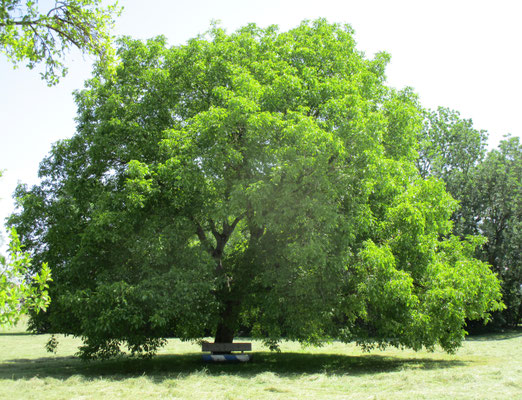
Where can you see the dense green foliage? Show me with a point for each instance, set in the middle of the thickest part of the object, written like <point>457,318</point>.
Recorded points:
<point>31,33</point>
<point>489,190</point>
<point>257,180</point>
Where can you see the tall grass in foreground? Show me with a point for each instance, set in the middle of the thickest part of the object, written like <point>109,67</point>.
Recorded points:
<point>487,367</point>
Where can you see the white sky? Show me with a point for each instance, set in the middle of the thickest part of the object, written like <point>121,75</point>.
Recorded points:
<point>462,54</point>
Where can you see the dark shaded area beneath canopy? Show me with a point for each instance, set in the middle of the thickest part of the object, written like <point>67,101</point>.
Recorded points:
<point>166,366</point>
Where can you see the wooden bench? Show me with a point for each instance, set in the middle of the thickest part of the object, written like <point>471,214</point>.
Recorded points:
<point>222,351</point>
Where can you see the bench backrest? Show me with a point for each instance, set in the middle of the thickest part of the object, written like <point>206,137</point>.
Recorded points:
<point>224,347</point>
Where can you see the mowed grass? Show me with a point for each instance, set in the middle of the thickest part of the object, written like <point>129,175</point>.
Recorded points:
<point>487,367</point>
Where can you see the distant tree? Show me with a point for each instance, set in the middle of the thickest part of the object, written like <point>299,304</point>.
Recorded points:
<point>19,295</point>
<point>488,187</point>
<point>449,147</point>
<point>494,209</point>
<point>258,179</point>
<point>34,35</point>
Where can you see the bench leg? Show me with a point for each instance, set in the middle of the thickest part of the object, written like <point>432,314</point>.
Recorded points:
<point>227,357</point>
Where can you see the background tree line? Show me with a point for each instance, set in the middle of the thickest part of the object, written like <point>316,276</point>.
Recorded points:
<point>488,186</point>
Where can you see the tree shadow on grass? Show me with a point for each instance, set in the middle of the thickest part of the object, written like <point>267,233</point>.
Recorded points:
<point>164,367</point>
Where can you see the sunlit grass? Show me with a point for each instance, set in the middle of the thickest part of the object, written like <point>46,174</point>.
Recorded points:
<point>487,367</point>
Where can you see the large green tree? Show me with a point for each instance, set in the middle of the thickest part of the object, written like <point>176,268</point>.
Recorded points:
<point>257,180</point>
<point>35,33</point>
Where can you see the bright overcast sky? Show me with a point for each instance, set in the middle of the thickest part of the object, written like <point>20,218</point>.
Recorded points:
<point>455,53</point>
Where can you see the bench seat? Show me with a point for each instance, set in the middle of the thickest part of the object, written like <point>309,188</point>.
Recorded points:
<point>225,347</point>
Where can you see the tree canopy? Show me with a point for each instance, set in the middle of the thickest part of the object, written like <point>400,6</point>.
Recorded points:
<point>259,181</point>
<point>35,34</point>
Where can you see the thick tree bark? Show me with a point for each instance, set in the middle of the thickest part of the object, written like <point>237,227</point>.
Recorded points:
<point>228,323</point>
<point>224,332</point>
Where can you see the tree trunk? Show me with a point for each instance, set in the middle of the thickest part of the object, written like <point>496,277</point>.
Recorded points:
<point>224,334</point>
<point>227,325</point>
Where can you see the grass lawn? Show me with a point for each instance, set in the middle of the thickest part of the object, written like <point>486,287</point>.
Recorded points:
<point>486,367</point>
